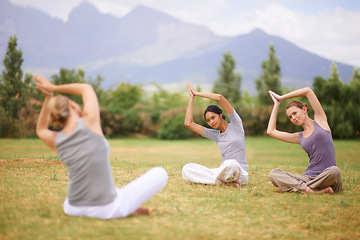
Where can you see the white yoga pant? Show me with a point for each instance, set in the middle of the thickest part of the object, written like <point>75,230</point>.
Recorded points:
<point>128,199</point>
<point>229,171</point>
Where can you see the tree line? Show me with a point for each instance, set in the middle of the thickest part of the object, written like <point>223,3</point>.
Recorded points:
<point>128,110</point>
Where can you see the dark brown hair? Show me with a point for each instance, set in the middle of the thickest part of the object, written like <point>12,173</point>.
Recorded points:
<point>214,109</point>
<point>297,104</point>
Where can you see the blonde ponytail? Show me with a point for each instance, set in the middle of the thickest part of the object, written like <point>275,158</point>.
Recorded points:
<point>59,111</point>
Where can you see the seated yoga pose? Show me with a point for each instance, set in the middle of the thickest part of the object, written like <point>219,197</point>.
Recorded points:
<point>322,175</point>
<point>230,138</point>
<point>82,147</point>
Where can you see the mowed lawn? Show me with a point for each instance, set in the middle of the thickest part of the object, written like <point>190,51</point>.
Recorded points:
<point>33,185</point>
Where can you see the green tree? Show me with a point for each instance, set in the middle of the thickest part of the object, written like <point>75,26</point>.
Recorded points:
<point>12,88</point>
<point>163,100</point>
<point>339,102</point>
<point>354,97</point>
<point>228,83</point>
<point>67,76</point>
<point>100,92</point>
<point>125,96</point>
<point>270,79</point>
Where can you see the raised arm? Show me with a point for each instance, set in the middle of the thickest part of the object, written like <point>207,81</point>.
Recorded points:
<point>319,114</point>
<point>91,109</point>
<point>189,122</point>
<point>214,96</point>
<point>271,129</point>
<point>42,126</point>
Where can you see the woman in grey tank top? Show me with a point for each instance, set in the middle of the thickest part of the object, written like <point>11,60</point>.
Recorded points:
<point>322,174</point>
<point>82,147</point>
<point>230,137</point>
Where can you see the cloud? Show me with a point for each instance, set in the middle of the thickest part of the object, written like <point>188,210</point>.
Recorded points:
<point>334,34</point>
<point>331,34</point>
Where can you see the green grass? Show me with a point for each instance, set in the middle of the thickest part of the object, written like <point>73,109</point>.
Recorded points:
<point>33,185</point>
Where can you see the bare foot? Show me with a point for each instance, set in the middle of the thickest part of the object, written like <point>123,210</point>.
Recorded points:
<point>237,185</point>
<point>234,184</point>
<point>141,211</point>
<point>327,190</point>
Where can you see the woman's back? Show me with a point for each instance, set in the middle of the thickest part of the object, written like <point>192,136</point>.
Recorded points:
<point>86,154</point>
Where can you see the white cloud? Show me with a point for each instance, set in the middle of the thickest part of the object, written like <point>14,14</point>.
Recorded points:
<point>331,34</point>
<point>334,34</point>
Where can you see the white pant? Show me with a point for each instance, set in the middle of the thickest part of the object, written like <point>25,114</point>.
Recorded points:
<point>128,199</point>
<point>229,171</point>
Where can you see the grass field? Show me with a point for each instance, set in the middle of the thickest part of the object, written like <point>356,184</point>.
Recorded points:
<point>33,185</point>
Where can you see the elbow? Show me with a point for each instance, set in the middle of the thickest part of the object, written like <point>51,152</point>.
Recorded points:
<point>219,97</point>
<point>269,132</point>
<point>187,123</point>
<point>88,87</point>
<point>37,132</point>
<point>308,90</point>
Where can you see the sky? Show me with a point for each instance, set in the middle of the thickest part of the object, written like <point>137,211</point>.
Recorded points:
<point>329,28</point>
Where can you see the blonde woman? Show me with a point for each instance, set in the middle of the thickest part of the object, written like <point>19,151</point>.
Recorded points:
<point>83,148</point>
<point>230,138</point>
<point>322,175</point>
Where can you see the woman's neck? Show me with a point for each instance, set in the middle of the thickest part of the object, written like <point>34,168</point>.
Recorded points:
<point>308,124</point>
<point>223,126</point>
<point>70,124</point>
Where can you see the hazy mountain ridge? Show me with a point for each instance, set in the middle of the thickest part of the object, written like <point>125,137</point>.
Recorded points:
<point>147,45</point>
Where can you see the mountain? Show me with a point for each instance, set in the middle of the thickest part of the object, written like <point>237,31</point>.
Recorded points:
<point>147,45</point>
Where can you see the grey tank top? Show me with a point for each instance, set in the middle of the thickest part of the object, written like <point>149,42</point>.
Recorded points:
<point>320,148</point>
<point>86,155</point>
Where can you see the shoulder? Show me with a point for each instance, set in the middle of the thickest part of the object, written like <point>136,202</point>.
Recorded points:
<point>322,124</point>
<point>234,116</point>
<point>212,134</point>
<point>235,120</point>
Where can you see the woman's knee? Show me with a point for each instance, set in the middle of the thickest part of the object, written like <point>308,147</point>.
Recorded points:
<point>335,172</point>
<point>274,173</point>
<point>232,164</point>
<point>161,173</point>
<point>186,168</point>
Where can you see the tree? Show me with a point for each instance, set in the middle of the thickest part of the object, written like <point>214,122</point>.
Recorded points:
<point>125,96</point>
<point>70,76</point>
<point>100,93</point>
<point>269,79</point>
<point>12,88</point>
<point>66,76</point>
<point>228,83</point>
<point>340,103</point>
<point>354,96</point>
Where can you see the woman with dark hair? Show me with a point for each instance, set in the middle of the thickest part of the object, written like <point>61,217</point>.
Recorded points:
<point>83,148</point>
<point>230,138</point>
<point>322,175</point>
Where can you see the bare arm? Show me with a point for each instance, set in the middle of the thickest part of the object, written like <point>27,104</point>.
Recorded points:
<point>319,114</point>
<point>214,96</point>
<point>189,122</point>
<point>42,127</point>
<point>91,108</point>
<point>271,129</point>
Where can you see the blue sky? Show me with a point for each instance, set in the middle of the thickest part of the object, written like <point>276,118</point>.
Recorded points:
<point>329,28</point>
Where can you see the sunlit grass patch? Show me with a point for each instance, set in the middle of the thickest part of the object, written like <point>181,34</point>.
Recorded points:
<point>33,185</point>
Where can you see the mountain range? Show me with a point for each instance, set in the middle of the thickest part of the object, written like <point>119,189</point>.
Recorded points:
<point>149,46</point>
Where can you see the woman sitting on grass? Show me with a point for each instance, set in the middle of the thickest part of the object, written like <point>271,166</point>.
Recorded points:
<point>83,148</point>
<point>322,174</point>
<point>230,138</point>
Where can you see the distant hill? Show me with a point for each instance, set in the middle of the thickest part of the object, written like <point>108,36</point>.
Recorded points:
<point>147,45</point>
